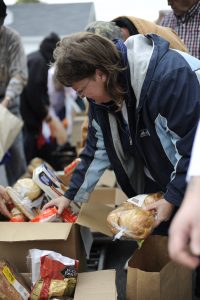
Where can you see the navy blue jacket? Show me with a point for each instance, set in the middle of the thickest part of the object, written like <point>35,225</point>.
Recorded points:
<point>153,134</point>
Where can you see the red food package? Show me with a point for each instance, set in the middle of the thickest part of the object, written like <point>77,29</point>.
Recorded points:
<point>47,215</point>
<point>51,270</point>
<point>69,169</point>
<point>51,215</point>
<point>17,215</point>
<point>68,216</point>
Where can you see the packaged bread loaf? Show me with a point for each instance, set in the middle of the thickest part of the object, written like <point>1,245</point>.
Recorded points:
<point>17,200</point>
<point>12,284</point>
<point>131,220</point>
<point>26,187</point>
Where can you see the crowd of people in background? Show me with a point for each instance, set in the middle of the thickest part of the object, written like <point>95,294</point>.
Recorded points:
<point>124,67</point>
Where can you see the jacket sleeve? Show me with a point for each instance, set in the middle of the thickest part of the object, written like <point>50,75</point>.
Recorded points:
<point>194,168</point>
<point>18,68</point>
<point>179,103</point>
<point>94,161</point>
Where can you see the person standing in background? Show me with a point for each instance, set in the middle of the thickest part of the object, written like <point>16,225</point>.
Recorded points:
<point>62,101</point>
<point>184,19</point>
<point>13,78</point>
<point>35,99</point>
<point>130,25</point>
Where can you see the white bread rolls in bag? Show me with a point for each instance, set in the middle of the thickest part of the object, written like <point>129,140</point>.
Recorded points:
<point>132,221</point>
<point>26,187</point>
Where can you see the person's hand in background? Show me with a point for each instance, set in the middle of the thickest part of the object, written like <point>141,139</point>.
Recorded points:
<point>184,233</point>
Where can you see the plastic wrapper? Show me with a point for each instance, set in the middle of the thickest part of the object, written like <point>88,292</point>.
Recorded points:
<point>26,187</point>
<point>12,285</point>
<point>51,215</point>
<point>48,215</point>
<point>17,216</point>
<point>47,180</point>
<point>56,288</point>
<point>34,262</point>
<point>130,220</point>
<point>69,169</point>
<point>57,275</point>
<point>23,205</point>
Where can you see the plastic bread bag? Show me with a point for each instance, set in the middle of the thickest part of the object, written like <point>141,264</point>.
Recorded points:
<point>12,284</point>
<point>33,261</point>
<point>56,277</point>
<point>26,187</point>
<point>130,220</point>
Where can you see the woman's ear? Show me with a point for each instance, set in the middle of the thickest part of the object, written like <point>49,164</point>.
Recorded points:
<point>100,75</point>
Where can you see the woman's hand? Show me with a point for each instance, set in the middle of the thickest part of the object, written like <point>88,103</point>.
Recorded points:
<point>60,202</point>
<point>4,197</point>
<point>163,210</point>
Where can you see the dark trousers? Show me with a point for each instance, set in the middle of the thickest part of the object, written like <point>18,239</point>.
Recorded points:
<point>30,145</point>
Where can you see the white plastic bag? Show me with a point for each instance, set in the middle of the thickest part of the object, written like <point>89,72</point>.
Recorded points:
<point>10,126</point>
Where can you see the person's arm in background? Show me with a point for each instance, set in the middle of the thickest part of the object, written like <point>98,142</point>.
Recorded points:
<point>184,233</point>
<point>4,197</point>
<point>18,73</point>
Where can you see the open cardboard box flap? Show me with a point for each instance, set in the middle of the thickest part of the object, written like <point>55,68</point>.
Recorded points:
<point>14,232</point>
<point>94,216</point>
<point>106,195</point>
<point>101,202</point>
<point>99,285</point>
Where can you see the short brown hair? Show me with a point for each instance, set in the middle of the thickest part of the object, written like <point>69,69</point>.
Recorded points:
<point>77,57</point>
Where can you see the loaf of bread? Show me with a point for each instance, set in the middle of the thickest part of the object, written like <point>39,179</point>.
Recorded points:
<point>26,187</point>
<point>34,163</point>
<point>12,284</point>
<point>133,221</point>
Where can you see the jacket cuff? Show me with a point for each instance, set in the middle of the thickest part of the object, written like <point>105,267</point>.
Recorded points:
<point>173,198</point>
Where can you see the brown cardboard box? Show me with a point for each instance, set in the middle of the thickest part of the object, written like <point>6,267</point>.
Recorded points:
<point>101,202</point>
<point>17,238</point>
<point>108,196</point>
<point>98,285</point>
<point>152,275</point>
